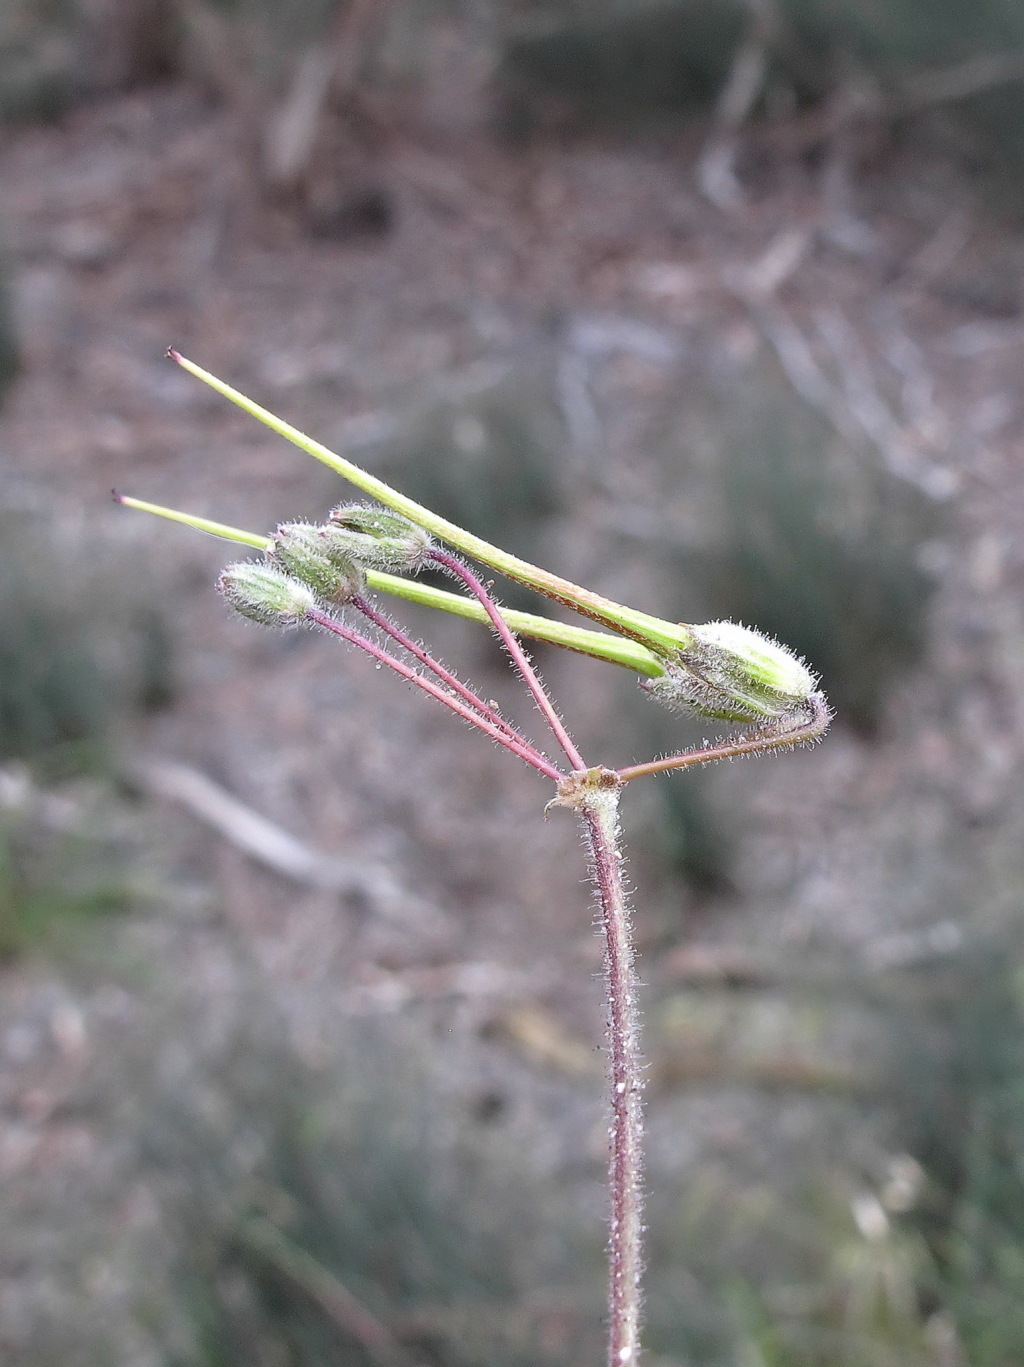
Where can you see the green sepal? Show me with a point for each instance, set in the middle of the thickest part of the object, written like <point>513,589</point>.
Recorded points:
<point>265,594</point>
<point>377,538</point>
<point>307,553</point>
<point>734,673</point>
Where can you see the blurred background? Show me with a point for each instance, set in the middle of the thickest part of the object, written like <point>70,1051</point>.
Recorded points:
<point>714,305</point>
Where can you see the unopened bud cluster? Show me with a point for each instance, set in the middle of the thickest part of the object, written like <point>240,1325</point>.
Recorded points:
<point>315,567</point>
<point>737,674</point>
<point>726,671</point>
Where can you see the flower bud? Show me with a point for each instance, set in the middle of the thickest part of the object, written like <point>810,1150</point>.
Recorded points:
<point>307,553</point>
<point>265,594</point>
<point>735,673</point>
<point>378,538</point>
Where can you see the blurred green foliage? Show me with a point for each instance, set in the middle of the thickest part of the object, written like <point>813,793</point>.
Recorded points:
<point>906,32</point>
<point>54,884</point>
<point>960,1096</point>
<point>691,836</point>
<point>931,1268</point>
<point>78,647</point>
<point>373,1205</point>
<point>802,535</point>
<point>81,654</point>
<point>574,42</point>
<point>297,1209</point>
<point>606,61</point>
<point>622,64</point>
<point>822,550</point>
<point>54,53</point>
<point>618,63</point>
<point>395,1179</point>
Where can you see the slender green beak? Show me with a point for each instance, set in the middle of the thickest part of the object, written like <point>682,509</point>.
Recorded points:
<point>659,636</point>
<point>601,645</point>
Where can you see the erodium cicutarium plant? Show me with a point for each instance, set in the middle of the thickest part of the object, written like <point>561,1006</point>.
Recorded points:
<point>333,576</point>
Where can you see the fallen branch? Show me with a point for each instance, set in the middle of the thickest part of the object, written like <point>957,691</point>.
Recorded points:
<point>716,166</point>
<point>261,1237</point>
<point>274,847</point>
<point>975,76</point>
<point>914,95</point>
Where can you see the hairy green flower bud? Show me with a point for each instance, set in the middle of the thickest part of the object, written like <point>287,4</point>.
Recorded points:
<point>265,594</point>
<point>378,539</point>
<point>308,553</point>
<point>737,674</point>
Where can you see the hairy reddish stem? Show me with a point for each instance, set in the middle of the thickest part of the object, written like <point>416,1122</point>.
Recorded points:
<point>519,656</point>
<point>595,794</point>
<point>785,734</point>
<point>450,680</point>
<point>524,751</point>
<point>599,808</point>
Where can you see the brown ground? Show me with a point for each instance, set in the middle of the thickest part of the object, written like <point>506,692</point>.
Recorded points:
<point>129,231</point>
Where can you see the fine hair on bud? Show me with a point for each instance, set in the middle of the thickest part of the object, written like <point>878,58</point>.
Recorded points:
<point>306,552</point>
<point>378,538</point>
<point>266,594</point>
<point>734,673</point>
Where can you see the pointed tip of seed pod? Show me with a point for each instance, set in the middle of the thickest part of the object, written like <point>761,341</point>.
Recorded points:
<point>117,498</point>
<point>173,354</point>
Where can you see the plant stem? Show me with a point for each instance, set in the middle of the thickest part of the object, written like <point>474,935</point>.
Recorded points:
<point>598,804</point>
<point>804,727</point>
<point>600,645</point>
<point>520,659</point>
<point>450,680</point>
<point>523,750</point>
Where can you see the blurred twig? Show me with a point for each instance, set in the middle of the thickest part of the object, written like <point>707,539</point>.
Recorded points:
<point>716,172</point>
<point>291,128</point>
<point>330,67</point>
<point>274,847</point>
<point>262,1237</point>
<point>854,406</point>
<point>380,992</point>
<point>280,132</point>
<point>959,82</point>
<point>745,967</point>
<point>914,95</point>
